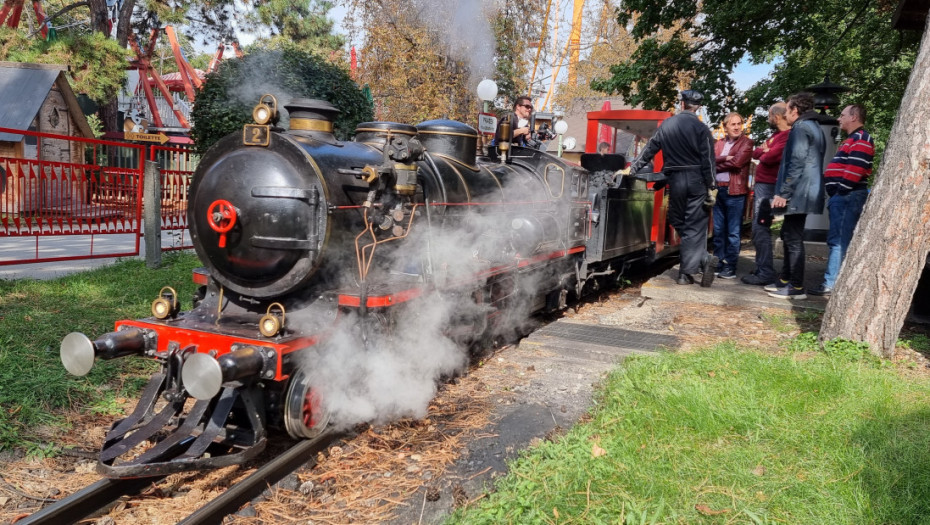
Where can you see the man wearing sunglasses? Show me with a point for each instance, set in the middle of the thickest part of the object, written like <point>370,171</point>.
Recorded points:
<point>519,122</point>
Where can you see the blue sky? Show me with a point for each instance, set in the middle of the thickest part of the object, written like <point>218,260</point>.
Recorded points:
<point>746,74</point>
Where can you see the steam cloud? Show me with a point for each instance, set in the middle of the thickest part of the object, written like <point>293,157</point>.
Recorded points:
<point>464,27</point>
<point>387,378</point>
<point>253,86</point>
<point>394,374</point>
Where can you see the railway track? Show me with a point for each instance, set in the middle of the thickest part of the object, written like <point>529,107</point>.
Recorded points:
<point>242,492</point>
<point>99,495</point>
<point>87,501</point>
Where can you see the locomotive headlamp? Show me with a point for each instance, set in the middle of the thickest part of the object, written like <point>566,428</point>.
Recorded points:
<point>266,111</point>
<point>270,324</point>
<point>203,376</point>
<point>167,304</point>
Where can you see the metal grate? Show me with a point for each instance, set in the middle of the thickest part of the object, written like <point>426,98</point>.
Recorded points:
<point>608,336</point>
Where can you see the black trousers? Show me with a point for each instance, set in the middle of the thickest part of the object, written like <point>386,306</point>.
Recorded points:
<point>687,214</point>
<point>762,235</point>
<point>792,237</point>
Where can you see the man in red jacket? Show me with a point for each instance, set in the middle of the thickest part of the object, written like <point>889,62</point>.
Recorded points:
<point>769,157</point>
<point>733,154</point>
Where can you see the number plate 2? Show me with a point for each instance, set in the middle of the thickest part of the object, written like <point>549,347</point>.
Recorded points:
<point>256,135</point>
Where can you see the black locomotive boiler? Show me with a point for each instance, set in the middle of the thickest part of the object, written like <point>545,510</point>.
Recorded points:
<point>320,253</point>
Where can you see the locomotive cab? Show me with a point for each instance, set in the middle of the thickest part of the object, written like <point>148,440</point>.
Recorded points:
<point>642,225</point>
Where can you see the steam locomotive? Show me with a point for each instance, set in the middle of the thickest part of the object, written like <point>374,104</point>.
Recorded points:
<point>322,256</point>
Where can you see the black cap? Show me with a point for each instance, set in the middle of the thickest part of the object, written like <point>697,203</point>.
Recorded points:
<point>692,97</point>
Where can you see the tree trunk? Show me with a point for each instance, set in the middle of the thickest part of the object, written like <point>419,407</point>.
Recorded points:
<point>109,115</point>
<point>876,284</point>
<point>123,27</point>
<point>109,111</point>
<point>98,16</point>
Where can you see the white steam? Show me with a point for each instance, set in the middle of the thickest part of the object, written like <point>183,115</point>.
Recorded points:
<point>464,27</point>
<point>394,373</point>
<point>252,86</point>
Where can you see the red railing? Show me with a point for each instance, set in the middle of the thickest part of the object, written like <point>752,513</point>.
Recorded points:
<point>176,164</point>
<point>92,188</point>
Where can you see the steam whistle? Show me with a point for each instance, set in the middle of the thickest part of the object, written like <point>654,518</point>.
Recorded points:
<point>506,137</point>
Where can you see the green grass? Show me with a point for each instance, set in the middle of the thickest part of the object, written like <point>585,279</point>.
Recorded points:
<point>915,341</point>
<point>782,322</point>
<point>734,436</point>
<point>36,315</point>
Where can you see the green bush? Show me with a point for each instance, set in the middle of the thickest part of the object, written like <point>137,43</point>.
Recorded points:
<point>225,103</point>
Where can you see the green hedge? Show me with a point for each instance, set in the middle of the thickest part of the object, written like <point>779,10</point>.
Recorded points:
<point>225,103</point>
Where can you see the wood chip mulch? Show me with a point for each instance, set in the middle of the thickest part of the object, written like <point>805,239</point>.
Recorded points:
<point>363,479</point>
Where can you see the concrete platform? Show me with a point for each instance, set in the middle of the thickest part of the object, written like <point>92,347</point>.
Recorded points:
<point>732,292</point>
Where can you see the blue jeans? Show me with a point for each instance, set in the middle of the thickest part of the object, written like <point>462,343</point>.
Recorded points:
<point>728,218</point>
<point>844,214</point>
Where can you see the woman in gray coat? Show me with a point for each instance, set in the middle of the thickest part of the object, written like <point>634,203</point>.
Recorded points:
<point>799,190</point>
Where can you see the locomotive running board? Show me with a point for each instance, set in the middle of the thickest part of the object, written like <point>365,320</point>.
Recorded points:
<point>182,447</point>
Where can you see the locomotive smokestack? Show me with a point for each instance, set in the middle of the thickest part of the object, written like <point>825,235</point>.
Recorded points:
<point>312,117</point>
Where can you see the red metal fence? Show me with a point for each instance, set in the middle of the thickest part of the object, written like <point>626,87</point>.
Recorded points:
<point>176,164</point>
<point>88,202</point>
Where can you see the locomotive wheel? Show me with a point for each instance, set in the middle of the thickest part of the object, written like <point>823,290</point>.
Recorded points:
<point>304,416</point>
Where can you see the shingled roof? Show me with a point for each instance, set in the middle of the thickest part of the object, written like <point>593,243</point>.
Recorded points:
<point>23,89</point>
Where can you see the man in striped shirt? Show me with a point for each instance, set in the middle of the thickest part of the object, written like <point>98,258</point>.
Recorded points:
<point>846,179</point>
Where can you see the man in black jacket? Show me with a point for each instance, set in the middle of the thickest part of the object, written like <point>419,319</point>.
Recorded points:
<point>519,120</point>
<point>688,156</point>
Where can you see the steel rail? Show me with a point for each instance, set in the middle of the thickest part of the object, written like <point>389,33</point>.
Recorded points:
<point>253,485</point>
<point>87,501</point>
